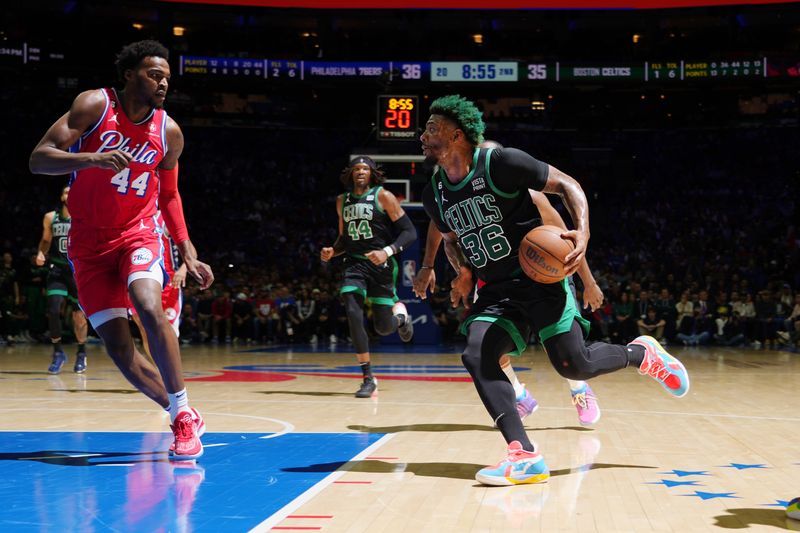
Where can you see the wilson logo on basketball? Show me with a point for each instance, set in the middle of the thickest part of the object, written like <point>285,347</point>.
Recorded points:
<point>537,259</point>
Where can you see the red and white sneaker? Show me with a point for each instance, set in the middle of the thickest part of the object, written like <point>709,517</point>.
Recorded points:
<point>663,367</point>
<point>187,445</point>
<point>199,426</point>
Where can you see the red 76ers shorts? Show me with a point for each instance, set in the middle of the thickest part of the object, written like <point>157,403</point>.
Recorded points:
<point>107,261</point>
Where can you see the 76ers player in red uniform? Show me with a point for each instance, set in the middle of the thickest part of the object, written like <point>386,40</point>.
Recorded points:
<point>123,150</point>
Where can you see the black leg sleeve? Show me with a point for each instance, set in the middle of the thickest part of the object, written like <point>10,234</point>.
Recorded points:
<point>54,315</point>
<point>354,305</point>
<point>572,359</point>
<point>383,319</point>
<point>486,342</point>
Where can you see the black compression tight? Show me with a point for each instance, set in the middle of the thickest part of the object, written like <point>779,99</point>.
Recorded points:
<point>486,342</point>
<point>54,302</point>
<point>572,359</point>
<point>385,322</point>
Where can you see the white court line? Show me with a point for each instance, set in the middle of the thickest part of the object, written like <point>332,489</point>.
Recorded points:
<point>293,505</point>
<point>401,404</point>
<point>287,426</point>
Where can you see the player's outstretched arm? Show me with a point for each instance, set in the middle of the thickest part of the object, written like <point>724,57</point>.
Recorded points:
<point>592,294</point>
<point>169,199</point>
<point>329,252</point>
<point>575,201</point>
<point>425,280</point>
<point>51,156</point>
<point>461,286</point>
<point>47,238</point>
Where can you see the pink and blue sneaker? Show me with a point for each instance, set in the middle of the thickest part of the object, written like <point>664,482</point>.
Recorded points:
<point>662,367</point>
<point>526,404</point>
<point>793,509</point>
<point>585,402</point>
<point>519,467</point>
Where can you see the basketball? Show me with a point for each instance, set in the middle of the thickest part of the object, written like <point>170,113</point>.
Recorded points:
<point>542,252</point>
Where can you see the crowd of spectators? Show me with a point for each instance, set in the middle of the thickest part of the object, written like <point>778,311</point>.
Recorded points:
<point>693,231</point>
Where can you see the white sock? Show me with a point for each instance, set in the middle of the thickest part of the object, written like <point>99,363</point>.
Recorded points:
<point>399,309</point>
<point>178,402</point>
<point>519,389</point>
<point>576,386</point>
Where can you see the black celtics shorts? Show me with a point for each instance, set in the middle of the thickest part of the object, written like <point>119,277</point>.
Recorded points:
<point>374,283</point>
<point>521,306</point>
<point>60,282</point>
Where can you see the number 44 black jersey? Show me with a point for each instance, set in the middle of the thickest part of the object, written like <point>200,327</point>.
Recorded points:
<point>490,210</point>
<point>367,227</point>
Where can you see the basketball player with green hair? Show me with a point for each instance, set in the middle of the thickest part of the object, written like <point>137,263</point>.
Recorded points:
<point>583,397</point>
<point>478,199</point>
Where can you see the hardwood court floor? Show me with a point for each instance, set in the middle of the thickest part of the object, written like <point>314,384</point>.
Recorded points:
<point>289,448</point>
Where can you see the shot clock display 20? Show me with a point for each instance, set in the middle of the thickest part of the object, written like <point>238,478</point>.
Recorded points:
<point>397,117</point>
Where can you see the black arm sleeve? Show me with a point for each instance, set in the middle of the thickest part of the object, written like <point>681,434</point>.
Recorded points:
<point>408,233</point>
<point>513,170</point>
<point>432,209</point>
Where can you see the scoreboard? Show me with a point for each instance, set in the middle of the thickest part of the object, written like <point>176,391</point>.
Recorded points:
<point>398,117</point>
<point>665,71</point>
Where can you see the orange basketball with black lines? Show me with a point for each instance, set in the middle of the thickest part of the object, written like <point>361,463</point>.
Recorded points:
<point>542,252</point>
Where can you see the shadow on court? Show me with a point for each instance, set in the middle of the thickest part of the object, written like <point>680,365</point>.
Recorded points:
<point>85,458</point>
<point>100,391</point>
<point>448,427</point>
<point>746,518</point>
<point>307,393</point>
<point>445,470</point>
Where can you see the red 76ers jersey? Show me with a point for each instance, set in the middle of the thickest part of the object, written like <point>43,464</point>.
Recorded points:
<point>104,198</point>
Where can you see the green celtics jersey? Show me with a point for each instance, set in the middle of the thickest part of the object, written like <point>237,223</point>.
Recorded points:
<point>367,227</point>
<point>490,210</point>
<point>59,228</point>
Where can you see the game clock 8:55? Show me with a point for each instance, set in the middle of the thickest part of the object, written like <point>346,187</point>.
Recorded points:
<point>397,117</point>
<point>474,71</point>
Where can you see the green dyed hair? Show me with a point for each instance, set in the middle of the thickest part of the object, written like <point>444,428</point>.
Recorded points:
<point>464,113</point>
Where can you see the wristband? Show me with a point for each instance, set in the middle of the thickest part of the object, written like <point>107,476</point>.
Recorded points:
<point>389,251</point>
<point>425,266</point>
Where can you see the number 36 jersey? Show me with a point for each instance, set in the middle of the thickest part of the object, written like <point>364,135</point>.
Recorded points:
<point>490,210</point>
<point>366,226</point>
<point>104,198</point>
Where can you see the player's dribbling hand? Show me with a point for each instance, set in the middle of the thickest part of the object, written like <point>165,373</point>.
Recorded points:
<point>592,297</point>
<point>326,254</point>
<point>377,257</point>
<point>200,272</point>
<point>573,259</point>
<point>114,160</point>
<point>460,288</point>
<point>424,281</point>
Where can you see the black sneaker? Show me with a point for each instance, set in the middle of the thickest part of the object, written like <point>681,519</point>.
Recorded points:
<point>368,386</point>
<point>80,363</point>
<point>406,328</point>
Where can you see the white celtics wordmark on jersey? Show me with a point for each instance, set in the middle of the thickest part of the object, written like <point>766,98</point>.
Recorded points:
<point>357,218</point>
<point>479,213</point>
<point>472,213</point>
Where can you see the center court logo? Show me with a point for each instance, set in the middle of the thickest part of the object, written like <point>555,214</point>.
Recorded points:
<point>142,256</point>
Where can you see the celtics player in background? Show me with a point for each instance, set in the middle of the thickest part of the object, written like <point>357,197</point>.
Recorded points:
<point>372,229</point>
<point>479,201</point>
<point>61,285</point>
